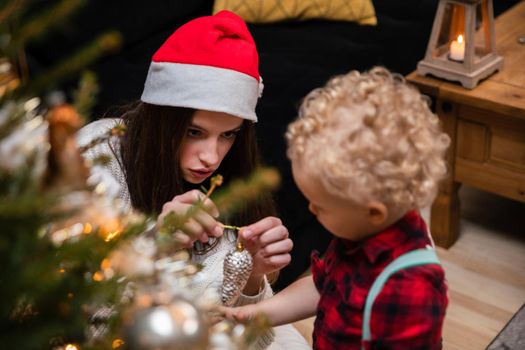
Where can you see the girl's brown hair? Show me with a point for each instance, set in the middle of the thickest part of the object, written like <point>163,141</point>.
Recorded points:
<point>150,154</point>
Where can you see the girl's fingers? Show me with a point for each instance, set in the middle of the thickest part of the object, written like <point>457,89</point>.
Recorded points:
<point>276,234</point>
<point>260,227</point>
<point>277,248</point>
<point>195,230</point>
<point>273,241</point>
<point>208,223</point>
<point>183,239</point>
<point>279,261</point>
<point>195,196</point>
<point>201,222</point>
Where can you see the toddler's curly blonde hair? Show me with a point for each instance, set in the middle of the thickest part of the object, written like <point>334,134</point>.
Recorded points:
<point>370,136</point>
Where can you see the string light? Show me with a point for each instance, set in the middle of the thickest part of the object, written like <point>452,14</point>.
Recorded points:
<point>105,264</point>
<point>117,343</point>
<point>87,228</point>
<point>111,235</point>
<point>98,276</point>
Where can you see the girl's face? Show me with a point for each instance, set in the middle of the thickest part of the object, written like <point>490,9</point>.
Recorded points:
<point>209,137</point>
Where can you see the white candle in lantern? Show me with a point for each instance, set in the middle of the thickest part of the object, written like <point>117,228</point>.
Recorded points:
<point>457,49</point>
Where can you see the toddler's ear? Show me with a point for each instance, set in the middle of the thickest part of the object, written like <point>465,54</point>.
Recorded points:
<point>377,213</point>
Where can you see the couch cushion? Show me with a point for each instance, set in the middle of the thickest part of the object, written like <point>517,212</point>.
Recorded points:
<point>267,11</point>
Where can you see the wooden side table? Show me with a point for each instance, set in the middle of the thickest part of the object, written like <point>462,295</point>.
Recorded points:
<point>487,129</point>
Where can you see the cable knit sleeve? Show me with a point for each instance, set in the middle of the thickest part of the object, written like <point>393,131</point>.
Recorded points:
<point>109,175</point>
<point>265,293</point>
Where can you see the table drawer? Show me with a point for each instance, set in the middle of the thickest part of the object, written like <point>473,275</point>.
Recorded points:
<point>490,152</point>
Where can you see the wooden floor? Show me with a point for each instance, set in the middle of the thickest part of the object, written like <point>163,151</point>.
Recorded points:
<point>485,270</point>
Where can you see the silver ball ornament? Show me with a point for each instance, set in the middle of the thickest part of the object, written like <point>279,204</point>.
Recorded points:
<point>177,326</point>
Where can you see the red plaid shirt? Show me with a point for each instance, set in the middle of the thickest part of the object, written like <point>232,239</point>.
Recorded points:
<point>409,311</point>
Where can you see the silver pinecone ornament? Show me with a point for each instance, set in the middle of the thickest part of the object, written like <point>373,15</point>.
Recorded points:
<point>238,265</point>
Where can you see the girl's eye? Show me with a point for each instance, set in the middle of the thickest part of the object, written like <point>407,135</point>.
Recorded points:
<point>230,134</point>
<point>194,133</point>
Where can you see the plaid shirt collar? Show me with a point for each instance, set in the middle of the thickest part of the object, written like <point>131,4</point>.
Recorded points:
<point>385,241</point>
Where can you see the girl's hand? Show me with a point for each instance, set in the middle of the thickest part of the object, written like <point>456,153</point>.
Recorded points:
<point>267,240</point>
<point>201,225</point>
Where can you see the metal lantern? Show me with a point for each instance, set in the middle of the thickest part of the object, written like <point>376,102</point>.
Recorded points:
<point>462,46</point>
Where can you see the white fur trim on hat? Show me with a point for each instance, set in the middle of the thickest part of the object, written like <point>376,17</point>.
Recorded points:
<point>202,87</point>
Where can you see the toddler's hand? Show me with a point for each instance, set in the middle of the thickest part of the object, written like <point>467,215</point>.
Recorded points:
<point>202,223</point>
<point>242,314</point>
<point>267,240</point>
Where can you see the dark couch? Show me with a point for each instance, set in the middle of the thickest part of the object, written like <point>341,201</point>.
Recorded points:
<point>295,57</point>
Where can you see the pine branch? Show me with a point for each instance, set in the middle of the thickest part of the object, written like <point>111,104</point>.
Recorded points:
<point>10,8</point>
<point>56,282</point>
<point>70,65</point>
<point>15,113</point>
<point>46,19</point>
<point>239,192</point>
<point>85,96</point>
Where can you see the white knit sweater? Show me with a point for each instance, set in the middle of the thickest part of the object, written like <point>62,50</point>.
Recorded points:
<point>112,177</point>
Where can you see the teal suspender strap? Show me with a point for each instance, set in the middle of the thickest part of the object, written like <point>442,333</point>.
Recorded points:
<point>413,258</point>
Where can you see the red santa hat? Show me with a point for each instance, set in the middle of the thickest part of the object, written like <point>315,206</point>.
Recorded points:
<point>209,63</point>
